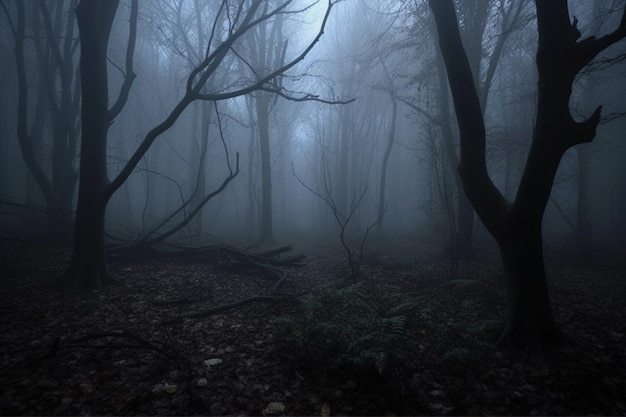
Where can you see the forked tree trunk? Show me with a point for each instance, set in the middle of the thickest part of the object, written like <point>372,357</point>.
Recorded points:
<point>517,227</point>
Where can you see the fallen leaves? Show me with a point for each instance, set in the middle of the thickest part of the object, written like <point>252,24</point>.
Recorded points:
<point>239,365</point>
<point>212,362</point>
<point>165,387</point>
<point>274,408</point>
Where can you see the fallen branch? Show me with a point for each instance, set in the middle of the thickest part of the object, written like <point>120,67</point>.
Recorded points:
<point>167,303</point>
<point>225,307</point>
<point>269,262</point>
<point>140,343</point>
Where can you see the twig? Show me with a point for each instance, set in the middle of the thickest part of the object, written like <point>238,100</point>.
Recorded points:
<point>225,307</point>
<point>142,343</point>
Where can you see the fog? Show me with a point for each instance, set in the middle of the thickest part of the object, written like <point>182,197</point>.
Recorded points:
<point>358,131</point>
<point>312,207</point>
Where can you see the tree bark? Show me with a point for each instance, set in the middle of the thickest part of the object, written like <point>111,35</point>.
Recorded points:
<point>253,204</point>
<point>489,203</point>
<point>345,118</point>
<point>585,225</point>
<point>263,111</point>
<point>517,227</point>
<point>88,268</point>
<point>529,320</point>
<point>95,19</point>
<point>383,173</point>
<point>462,242</point>
<point>57,188</point>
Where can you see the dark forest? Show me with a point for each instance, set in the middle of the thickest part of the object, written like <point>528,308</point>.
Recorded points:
<point>312,207</point>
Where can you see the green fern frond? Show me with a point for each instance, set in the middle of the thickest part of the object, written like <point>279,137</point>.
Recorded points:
<point>344,326</point>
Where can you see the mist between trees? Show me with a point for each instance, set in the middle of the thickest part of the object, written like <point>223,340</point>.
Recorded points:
<point>241,121</point>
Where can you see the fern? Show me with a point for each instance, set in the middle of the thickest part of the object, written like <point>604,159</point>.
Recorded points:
<point>345,327</point>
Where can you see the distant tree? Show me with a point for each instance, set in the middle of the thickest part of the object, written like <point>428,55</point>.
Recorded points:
<point>95,20</point>
<point>181,25</point>
<point>476,14</point>
<point>50,28</point>
<point>382,185</point>
<point>486,26</point>
<point>269,47</point>
<point>517,226</point>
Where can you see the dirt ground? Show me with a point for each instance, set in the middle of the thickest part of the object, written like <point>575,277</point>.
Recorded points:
<point>120,350</point>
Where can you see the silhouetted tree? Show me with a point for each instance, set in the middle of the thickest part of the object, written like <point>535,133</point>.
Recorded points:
<point>50,27</point>
<point>269,47</point>
<point>517,226</point>
<point>95,19</point>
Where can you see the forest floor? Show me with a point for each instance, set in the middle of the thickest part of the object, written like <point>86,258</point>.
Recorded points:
<point>407,339</point>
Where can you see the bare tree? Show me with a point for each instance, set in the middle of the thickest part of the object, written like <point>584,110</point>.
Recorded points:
<point>517,226</point>
<point>51,30</point>
<point>269,47</point>
<point>95,19</point>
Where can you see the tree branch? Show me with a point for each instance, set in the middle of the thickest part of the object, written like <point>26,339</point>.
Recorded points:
<point>129,73</point>
<point>587,49</point>
<point>289,95</point>
<point>487,200</point>
<point>8,16</point>
<point>207,68</point>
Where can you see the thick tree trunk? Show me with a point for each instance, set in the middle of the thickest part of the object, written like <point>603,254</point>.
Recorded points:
<point>465,222</point>
<point>59,217</point>
<point>64,179</point>
<point>585,226</point>
<point>462,242</point>
<point>529,320</point>
<point>517,227</point>
<point>88,268</point>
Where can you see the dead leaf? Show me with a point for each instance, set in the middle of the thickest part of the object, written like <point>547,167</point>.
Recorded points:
<point>274,408</point>
<point>325,411</point>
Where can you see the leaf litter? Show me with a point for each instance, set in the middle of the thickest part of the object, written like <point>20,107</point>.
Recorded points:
<point>237,362</point>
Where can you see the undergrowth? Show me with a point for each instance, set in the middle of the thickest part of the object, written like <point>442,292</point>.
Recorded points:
<point>346,327</point>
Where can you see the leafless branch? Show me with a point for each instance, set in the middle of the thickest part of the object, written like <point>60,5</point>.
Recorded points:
<point>8,16</point>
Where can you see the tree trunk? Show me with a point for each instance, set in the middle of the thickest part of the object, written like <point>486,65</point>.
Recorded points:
<point>201,121</point>
<point>475,17</point>
<point>517,227</point>
<point>462,240</point>
<point>88,268</point>
<point>517,231</point>
<point>262,108</point>
<point>529,320</point>
<point>343,172</point>
<point>465,222</point>
<point>585,226</point>
<point>253,211</point>
<point>383,173</point>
